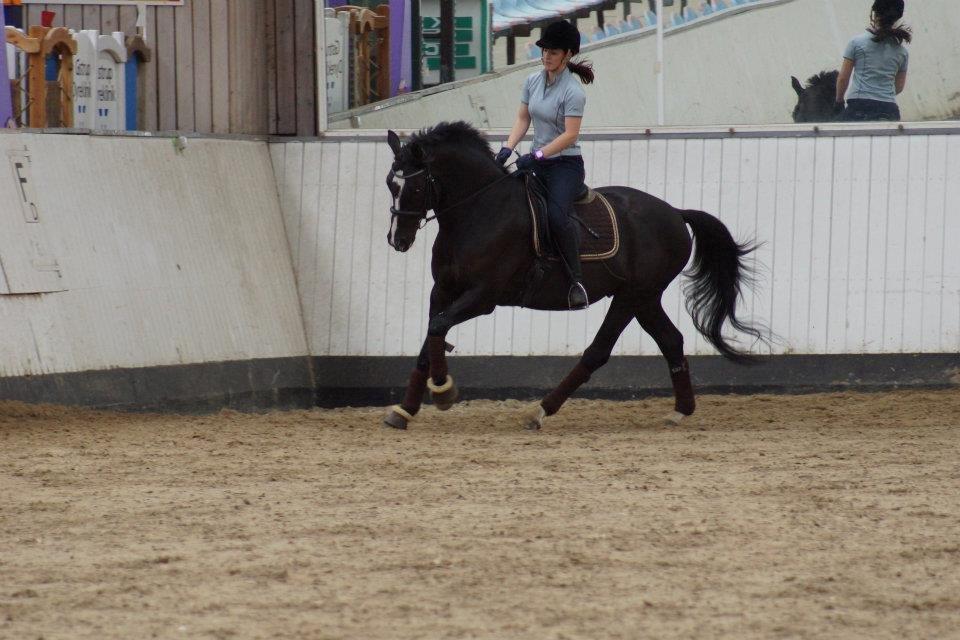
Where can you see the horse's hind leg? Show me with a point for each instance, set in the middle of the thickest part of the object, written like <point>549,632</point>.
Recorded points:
<point>655,322</point>
<point>621,312</point>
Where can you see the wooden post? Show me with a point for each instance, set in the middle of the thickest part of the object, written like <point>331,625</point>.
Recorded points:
<point>59,42</point>
<point>37,82</point>
<point>511,49</point>
<point>446,42</point>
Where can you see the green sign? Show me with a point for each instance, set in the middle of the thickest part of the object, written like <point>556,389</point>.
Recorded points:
<point>471,54</point>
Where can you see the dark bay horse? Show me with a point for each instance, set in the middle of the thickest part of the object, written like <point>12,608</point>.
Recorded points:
<point>483,254</point>
<point>816,102</point>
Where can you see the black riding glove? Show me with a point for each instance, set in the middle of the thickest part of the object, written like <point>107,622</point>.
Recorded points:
<point>527,162</point>
<point>504,154</point>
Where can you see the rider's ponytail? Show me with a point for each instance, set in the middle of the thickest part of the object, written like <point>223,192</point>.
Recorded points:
<point>583,69</point>
<point>883,22</point>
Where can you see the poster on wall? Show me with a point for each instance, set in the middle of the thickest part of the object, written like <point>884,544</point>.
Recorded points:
<point>6,74</point>
<point>110,85</point>
<point>83,79</point>
<point>338,44</point>
<point>471,39</point>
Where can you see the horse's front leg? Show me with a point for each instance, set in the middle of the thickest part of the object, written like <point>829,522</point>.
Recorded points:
<point>401,414</point>
<point>431,368</point>
<point>471,304</point>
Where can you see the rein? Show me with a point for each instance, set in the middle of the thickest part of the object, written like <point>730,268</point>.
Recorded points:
<point>432,186</point>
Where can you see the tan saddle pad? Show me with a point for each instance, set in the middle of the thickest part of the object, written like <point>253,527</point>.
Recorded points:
<point>598,216</point>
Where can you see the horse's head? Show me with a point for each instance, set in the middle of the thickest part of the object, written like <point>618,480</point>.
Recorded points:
<point>815,102</point>
<point>414,190</point>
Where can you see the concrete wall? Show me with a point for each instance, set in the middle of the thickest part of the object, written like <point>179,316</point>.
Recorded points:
<point>733,68</point>
<point>141,255</point>
<point>854,224</point>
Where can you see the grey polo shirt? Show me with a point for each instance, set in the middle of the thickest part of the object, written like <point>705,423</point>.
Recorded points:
<point>550,104</point>
<point>876,65</point>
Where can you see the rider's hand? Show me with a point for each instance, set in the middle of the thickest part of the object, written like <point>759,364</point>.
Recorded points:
<point>839,108</point>
<point>526,162</point>
<point>504,154</point>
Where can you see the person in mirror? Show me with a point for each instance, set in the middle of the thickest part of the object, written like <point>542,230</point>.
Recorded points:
<point>877,60</point>
<point>553,99</point>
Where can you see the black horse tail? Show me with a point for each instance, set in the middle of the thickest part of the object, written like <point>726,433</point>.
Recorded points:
<point>716,276</point>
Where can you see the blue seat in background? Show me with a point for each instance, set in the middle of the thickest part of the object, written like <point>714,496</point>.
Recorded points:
<point>633,23</point>
<point>707,9</point>
<point>690,14</point>
<point>610,30</point>
<point>678,20</point>
<point>719,5</point>
<point>513,9</point>
<point>563,7</point>
<point>650,18</point>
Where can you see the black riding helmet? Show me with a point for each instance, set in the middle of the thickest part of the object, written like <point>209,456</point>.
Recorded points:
<point>890,9</point>
<point>560,35</point>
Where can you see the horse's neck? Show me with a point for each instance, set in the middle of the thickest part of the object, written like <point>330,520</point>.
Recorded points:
<point>470,195</point>
<point>491,202</point>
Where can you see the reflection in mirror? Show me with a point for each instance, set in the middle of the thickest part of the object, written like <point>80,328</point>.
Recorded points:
<point>726,62</point>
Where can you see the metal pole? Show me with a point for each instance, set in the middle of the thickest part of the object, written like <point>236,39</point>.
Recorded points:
<point>446,42</point>
<point>658,70</point>
<point>320,20</point>
<point>416,47</point>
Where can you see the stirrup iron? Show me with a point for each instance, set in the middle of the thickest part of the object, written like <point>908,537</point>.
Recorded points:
<point>570,295</point>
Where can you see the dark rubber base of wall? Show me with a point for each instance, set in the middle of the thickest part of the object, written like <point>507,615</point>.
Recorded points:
<point>286,383</point>
<point>271,383</point>
<point>360,381</point>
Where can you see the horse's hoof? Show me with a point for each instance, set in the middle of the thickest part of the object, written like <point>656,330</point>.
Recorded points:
<point>397,418</point>
<point>533,418</point>
<point>445,395</point>
<point>674,418</point>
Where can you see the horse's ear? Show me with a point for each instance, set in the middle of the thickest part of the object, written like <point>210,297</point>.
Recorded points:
<point>796,85</point>
<point>394,141</point>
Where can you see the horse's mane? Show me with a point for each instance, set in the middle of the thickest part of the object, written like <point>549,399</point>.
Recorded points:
<point>823,80</point>
<point>459,135</point>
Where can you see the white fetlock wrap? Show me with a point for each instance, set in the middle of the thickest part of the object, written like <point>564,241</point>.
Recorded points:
<point>446,386</point>
<point>674,418</point>
<point>399,410</point>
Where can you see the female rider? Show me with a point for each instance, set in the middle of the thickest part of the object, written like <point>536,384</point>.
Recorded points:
<point>554,100</point>
<point>880,61</point>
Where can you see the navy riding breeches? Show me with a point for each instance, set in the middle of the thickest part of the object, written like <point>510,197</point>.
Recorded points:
<point>563,178</point>
<point>861,110</point>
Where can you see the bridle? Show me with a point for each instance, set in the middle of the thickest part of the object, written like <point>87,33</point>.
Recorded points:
<point>431,197</point>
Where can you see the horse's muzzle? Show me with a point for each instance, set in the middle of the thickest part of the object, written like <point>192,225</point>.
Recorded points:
<point>397,244</point>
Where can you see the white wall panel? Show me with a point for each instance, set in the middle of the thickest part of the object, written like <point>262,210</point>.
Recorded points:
<point>167,257</point>
<point>853,231</point>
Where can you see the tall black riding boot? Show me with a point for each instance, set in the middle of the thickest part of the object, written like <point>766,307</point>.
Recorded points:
<point>570,255</point>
